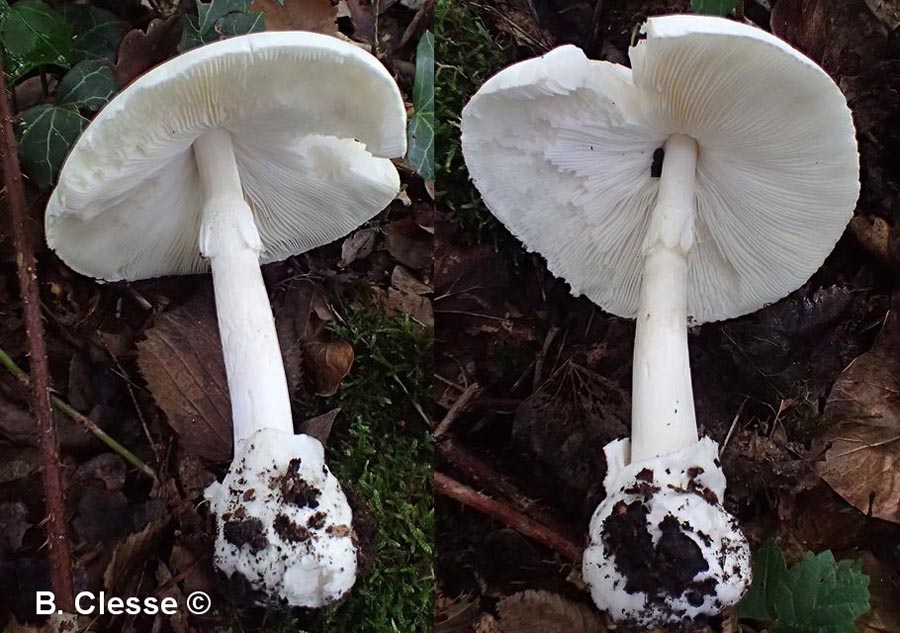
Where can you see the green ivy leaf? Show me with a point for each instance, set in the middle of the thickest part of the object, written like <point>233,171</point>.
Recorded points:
<point>88,86</point>
<point>218,19</point>
<point>715,7</point>
<point>96,33</point>
<point>817,595</point>
<point>241,24</point>
<point>208,13</point>
<point>33,34</point>
<point>420,132</point>
<point>46,133</point>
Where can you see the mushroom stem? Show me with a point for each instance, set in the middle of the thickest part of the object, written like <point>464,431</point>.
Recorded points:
<point>229,238</point>
<point>663,418</point>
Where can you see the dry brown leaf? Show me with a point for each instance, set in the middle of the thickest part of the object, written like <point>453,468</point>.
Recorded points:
<point>56,623</point>
<point>405,281</point>
<point>320,426</point>
<point>181,360</point>
<point>326,364</point>
<point>569,419</point>
<point>140,50</point>
<point>358,246</point>
<point>888,11</point>
<point>418,308</point>
<point>130,556</point>
<point>545,612</point>
<point>863,462</point>
<point>409,244</point>
<point>319,16</point>
<point>803,23</point>
<point>884,587</point>
<point>454,615</point>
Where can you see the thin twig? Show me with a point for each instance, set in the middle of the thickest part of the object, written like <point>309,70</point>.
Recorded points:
<point>449,487</point>
<point>51,477</point>
<point>66,409</point>
<point>455,409</point>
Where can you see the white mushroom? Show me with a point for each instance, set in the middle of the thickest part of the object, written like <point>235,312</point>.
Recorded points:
<point>236,154</point>
<point>760,175</point>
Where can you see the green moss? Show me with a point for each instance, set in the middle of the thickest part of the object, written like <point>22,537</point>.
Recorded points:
<point>381,448</point>
<point>467,54</point>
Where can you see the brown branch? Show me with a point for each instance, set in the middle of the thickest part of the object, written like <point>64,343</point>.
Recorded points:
<point>494,483</point>
<point>444,485</point>
<point>455,409</point>
<point>51,477</point>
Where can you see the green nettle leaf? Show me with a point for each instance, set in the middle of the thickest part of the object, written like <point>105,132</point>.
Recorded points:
<point>88,86</point>
<point>715,7</point>
<point>33,34</point>
<point>96,33</point>
<point>241,24</point>
<point>420,132</point>
<point>46,133</point>
<point>817,595</point>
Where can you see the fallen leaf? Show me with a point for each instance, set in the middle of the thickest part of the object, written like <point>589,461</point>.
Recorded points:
<point>569,419</point>
<point>409,244</point>
<point>405,281</point>
<point>56,623</point>
<point>417,307</point>
<point>13,525</point>
<point>803,23</point>
<point>545,612</point>
<point>888,11</point>
<point>131,556</point>
<point>319,16</point>
<point>327,363</point>
<point>301,314</point>
<point>358,246</point>
<point>181,360</point>
<point>320,426</point>
<point>863,462</point>
<point>140,50</point>
<point>884,587</point>
<point>454,615</point>
<point>168,588</point>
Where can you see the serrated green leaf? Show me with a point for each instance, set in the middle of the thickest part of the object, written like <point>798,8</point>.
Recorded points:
<point>96,33</point>
<point>208,13</point>
<point>241,24</point>
<point>715,7</point>
<point>88,86</point>
<point>33,34</point>
<point>46,133</point>
<point>420,132</point>
<point>816,595</point>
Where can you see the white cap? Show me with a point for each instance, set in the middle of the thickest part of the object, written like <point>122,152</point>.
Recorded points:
<point>561,149</point>
<point>283,521</point>
<point>314,121</point>
<point>662,548</point>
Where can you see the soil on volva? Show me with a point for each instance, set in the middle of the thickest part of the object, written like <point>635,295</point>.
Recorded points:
<point>551,372</point>
<point>143,361</point>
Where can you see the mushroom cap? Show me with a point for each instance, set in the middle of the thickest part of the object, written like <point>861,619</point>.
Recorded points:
<point>314,121</point>
<point>561,149</point>
<point>662,548</point>
<point>283,521</point>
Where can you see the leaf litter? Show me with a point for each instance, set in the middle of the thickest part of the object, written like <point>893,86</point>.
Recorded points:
<point>143,360</point>
<point>799,394</point>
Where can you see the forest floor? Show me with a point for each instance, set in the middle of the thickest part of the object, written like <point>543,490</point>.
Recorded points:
<point>535,381</point>
<point>142,360</point>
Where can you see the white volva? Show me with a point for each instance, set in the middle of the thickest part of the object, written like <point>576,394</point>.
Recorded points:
<point>752,197</point>
<point>233,155</point>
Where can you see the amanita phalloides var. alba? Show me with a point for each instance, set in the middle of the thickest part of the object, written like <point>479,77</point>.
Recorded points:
<point>233,155</point>
<point>759,178</point>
